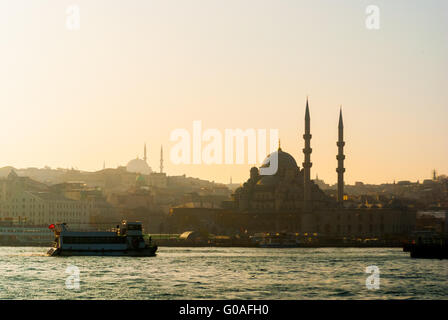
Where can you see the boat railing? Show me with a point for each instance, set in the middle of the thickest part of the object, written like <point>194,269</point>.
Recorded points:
<point>90,228</point>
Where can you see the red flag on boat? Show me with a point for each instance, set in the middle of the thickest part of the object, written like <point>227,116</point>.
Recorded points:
<point>51,226</point>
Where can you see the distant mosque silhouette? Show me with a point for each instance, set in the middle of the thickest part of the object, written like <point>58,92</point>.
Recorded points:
<point>138,165</point>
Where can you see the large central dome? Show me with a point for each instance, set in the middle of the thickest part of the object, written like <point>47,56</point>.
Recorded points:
<point>285,160</point>
<point>286,163</point>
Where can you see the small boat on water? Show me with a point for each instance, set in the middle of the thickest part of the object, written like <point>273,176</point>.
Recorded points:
<point>435,248</point>
<point>126,240</point>
<point>429,251</point>
<point>276,240</point>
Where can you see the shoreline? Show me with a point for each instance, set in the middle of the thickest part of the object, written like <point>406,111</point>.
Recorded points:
<point>189,245</point>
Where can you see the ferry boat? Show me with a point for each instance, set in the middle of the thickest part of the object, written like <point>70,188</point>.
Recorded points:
<point>277,240</point>
<point>125,240</point>
<point>427,245</point>
<point>429,249</point>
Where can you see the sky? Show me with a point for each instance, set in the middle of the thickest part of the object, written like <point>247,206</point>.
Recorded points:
<point>137,70</point>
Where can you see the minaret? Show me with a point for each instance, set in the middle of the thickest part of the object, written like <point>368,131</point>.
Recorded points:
<point>161,159</point>
<point>307,163</point>
<point>144,153</point>
<point>340,157</point>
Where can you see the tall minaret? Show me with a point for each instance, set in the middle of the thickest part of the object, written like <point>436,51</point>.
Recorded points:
<point>307,163</point>
<point>144,153</point>
<point>340,157</point>
<point>161,159</point>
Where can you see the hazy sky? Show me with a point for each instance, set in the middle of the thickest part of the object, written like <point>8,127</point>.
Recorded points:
<point>136,70</point>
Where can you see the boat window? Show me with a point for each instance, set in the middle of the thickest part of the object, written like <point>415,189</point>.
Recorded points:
<point>93,240</point>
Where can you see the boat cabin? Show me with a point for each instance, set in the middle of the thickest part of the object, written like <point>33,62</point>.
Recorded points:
<point>130,229</point>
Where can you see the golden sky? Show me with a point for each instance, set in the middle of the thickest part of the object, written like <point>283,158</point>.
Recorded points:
<point>137,70</point>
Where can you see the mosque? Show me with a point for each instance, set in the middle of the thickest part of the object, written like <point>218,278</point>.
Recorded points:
<point>290,201</point>
<point>139,165</point>
<point>290,188</point>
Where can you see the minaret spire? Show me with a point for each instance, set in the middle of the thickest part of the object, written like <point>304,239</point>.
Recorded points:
<point>161,159</point>
<point>144,153</point>
<point>340,157</point>
<point>307,161</point>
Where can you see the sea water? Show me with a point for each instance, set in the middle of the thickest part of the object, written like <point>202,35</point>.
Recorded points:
<point>224,273</point>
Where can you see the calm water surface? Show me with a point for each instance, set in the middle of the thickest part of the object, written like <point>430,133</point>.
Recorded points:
<point>224,273</point>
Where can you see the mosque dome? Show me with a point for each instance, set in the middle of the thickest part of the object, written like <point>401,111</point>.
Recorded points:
<point>138,166</point>
<point>285,160</point>
<point>286,163</point>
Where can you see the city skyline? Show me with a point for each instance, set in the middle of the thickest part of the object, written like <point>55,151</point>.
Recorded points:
<point>223,154</point>
<point>434,174</point>
<point>79,98</point>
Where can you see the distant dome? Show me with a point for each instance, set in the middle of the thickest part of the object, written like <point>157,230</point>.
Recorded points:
<point>285,160</point>
<point>138,166</point>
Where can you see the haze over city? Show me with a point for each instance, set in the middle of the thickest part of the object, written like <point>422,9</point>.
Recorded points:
<point>133,75</point>
<point>215,158</point>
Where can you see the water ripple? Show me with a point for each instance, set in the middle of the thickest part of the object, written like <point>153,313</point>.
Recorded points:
<point>224,273</point>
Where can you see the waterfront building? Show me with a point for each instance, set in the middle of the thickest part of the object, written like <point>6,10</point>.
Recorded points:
<point>23,205</point>
<point>27,202</point>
